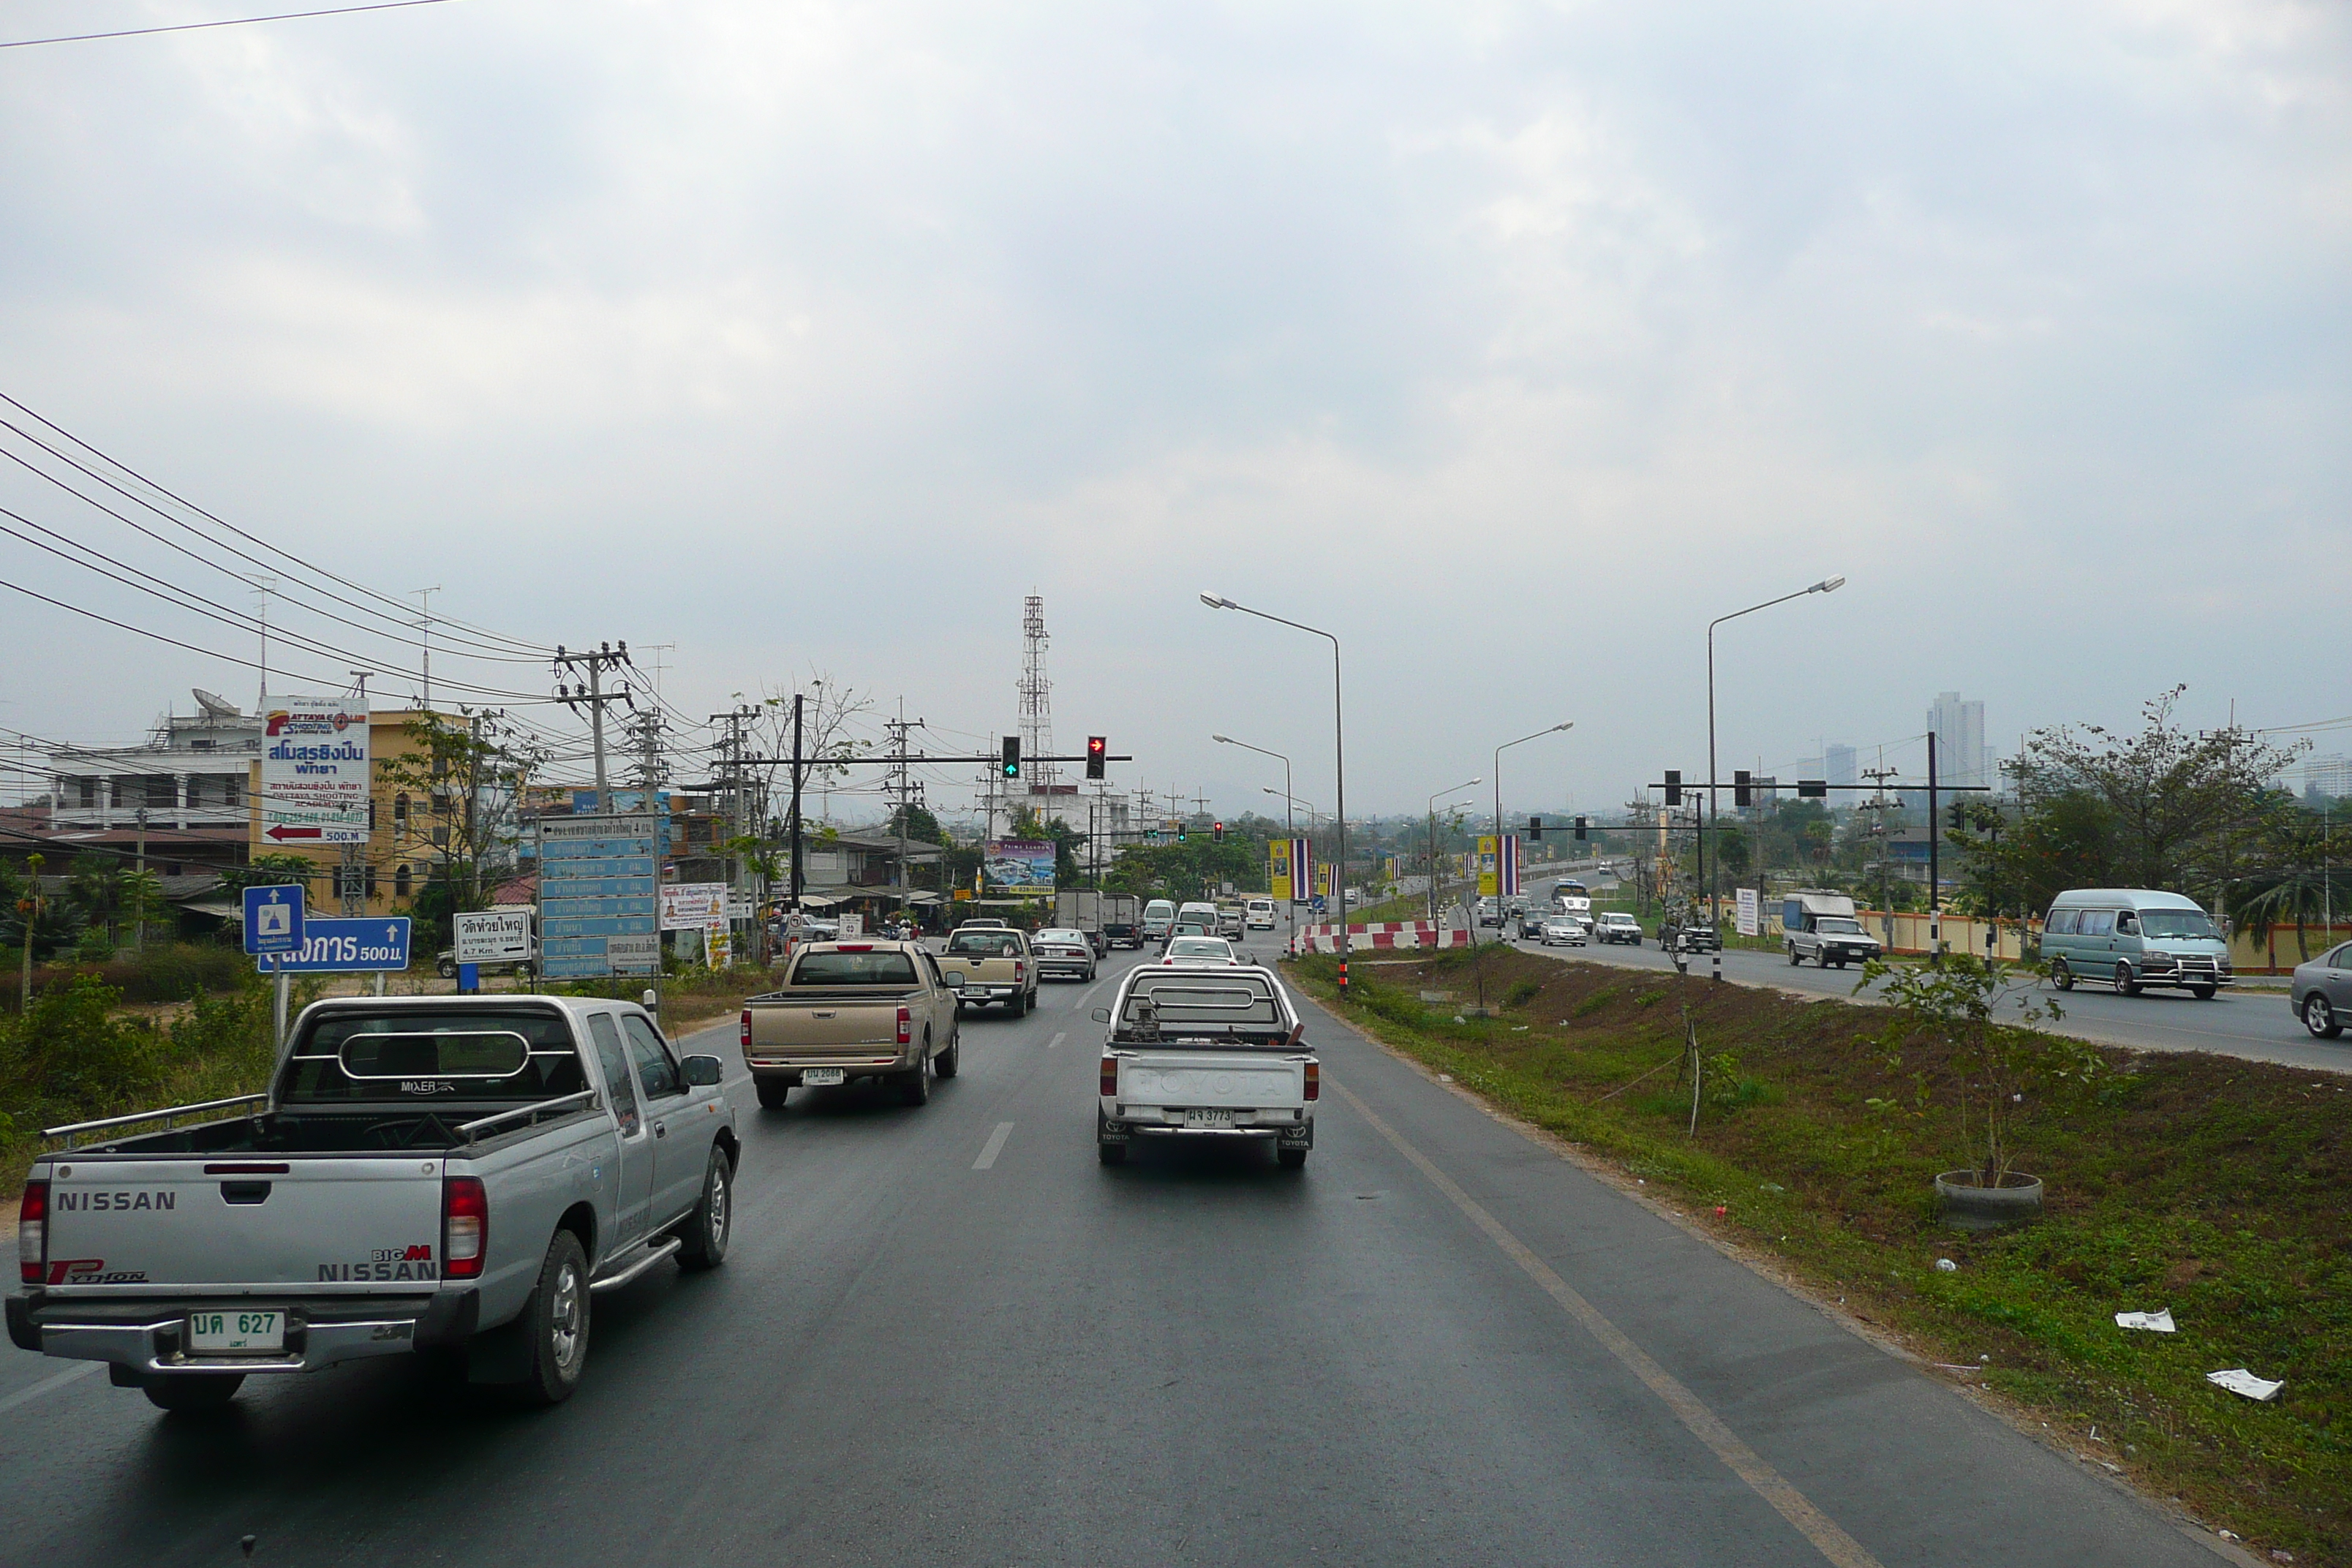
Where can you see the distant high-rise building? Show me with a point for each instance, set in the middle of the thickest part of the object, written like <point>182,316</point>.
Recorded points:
<point>1838,765</point>
<point>1961,755</point>
<point>2329,777</point>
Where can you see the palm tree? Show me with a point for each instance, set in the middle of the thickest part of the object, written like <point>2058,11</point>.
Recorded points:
<point>2291,884</point>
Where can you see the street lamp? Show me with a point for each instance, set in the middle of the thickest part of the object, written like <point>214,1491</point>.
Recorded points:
<point>1539,734</point>
<point>1714,862</point>
<point>1449,789</point>
<point>1339,760</point>
<point>1289,821</point>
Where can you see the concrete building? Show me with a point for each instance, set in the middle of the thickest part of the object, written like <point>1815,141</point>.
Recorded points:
<point>190,785</point>
<point>1838,765</point>
<point>1961,755</point>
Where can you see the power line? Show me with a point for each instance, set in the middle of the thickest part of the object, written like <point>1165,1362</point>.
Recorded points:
<point>225,22</point>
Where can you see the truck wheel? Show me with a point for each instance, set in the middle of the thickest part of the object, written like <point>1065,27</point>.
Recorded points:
<point>2203,993</point>
<point>192,1391</point>
<point>704,1234</point>
<point>1111,1153</point>
<point>2126,984</point>
<point>773,1093</point>
<point>555,1320</point>
<point>915,1088</point>
<point>1795,958</point>
<point>948,1062</point>
<point>2061,976</point>
<point>1291,1159</point>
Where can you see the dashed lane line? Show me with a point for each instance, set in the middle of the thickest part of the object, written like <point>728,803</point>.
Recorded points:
<point>994,1146</point>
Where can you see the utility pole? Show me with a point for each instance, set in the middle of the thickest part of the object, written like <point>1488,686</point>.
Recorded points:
<point>1935,887</point>
<point>901,788</point>
<point>351,879</point>
<point>424,631</point>
<point>1879,775</point>
<point>799,880</point>
<point>30,908</point>
<point>591,693</point>
<point>139,927</point>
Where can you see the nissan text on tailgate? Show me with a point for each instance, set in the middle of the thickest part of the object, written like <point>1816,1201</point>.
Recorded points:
<point>879,1010</point>
<point>423,1173</point>
<point>1206,1053</point>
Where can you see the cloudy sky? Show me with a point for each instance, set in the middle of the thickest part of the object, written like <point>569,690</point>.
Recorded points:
<point>1512,343</point>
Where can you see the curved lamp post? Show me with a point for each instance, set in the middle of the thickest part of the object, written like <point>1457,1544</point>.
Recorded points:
<point>1714,861</point>
<point>1449,789</point>
<point>1339,760</point>
<point>1539,734</point>
<point>1289,821</point>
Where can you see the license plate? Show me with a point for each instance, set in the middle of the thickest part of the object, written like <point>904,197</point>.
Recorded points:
<point>235,1333</point>
<point>821,1078</point>
<point>1207,1119</point>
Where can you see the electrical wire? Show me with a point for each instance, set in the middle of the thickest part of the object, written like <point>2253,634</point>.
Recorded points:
<point>224,22</point>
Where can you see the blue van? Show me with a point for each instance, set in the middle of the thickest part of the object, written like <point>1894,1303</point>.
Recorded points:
<point>2131,938</point>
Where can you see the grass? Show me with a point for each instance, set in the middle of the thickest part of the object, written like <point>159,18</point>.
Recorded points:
<point>2214,1186</point>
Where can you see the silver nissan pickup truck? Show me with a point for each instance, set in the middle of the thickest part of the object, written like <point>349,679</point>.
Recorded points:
<point>1206,1051</point>
<point>460,1173</point>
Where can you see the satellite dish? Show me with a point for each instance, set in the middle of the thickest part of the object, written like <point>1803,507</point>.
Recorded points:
<point>214,707</point>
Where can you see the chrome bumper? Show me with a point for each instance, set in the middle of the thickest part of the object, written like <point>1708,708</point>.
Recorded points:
<point>149,1340</point>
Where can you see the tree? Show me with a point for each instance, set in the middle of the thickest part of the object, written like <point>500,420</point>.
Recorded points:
<point>469,778</point>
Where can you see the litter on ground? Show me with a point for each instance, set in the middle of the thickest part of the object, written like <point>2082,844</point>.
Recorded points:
<point>2238,1380</point>
<point>2159,1321</point>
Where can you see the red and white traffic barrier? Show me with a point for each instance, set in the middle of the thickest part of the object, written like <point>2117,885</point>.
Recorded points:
<point>1407,936</point>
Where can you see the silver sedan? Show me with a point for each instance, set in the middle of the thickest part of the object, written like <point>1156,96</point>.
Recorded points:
<point>2322,991</point>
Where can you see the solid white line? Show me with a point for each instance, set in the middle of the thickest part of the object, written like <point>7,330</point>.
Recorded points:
<point>26,1395</point>
<point>995,1146</point>
<point>1057,1039</point>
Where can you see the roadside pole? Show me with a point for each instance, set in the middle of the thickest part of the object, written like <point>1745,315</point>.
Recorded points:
<point>284,990</point>
<point>1934,889</point>
<point>138,927</point>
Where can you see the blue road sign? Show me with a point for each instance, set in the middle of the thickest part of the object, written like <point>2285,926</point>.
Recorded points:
<point>345,947</point>
<point>598,886</point>
<point>273,918</point>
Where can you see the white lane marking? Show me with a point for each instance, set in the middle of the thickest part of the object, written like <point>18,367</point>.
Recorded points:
<point>1085,995</point>
<point>1057,1039</point>
<point>26,1395</point>
<point>994,1147</point>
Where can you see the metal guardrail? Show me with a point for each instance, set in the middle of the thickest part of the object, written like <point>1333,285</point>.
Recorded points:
<point>167,1116</point>
<point>471,1131</point>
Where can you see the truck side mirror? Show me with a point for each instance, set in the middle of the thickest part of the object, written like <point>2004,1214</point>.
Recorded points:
<point>701,1071</point>
<point>1100,1014</point>
<point>954,979</point>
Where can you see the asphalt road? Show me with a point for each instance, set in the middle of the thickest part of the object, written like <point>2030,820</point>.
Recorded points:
<point>2255,1024</point>
<point>945,1335</point>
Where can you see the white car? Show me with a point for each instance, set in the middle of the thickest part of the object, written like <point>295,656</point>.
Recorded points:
<point>1062,951</point>
<point>1615,925</point>
<point>1260,914</point>
<point>1195,949</point>
<point>1563,930</point>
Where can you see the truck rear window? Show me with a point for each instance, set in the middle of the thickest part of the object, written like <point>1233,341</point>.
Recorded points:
<point>1193,1003</point>
<point>410,1057</point>
<point>985,943</point>
<point>854,969</point>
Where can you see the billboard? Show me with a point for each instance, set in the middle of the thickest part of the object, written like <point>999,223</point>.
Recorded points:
<point>1289,865</point>
<point>1498,865</point>
<point>1020,865</point>
<point>693,906</point>
<point>314,771</point>
<point>1752,914</point>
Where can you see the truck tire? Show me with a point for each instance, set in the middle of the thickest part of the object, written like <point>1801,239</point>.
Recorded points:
<point>1291,1159</point>
<point>703,1237</point>
<point>1111,1153</point>
<point>191,1393</point>
<point>555,1324</point>
<point>2060,975</point>
<point>915,1088</point>
<point>949,1062</point>
<point>1795,958</point>
<point>773,1093</point>
<point>2126,983</point>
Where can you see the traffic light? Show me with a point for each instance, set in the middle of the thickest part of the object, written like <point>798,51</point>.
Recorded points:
<point>1097,752</point>
<point>1180,830</point>
<point>1217,833</point>
<point>1582,823</point>
<point>1958,815</point>
<point>1740,793</point>
<point>1012,756</point>
<point>1813,789</point>
<point>1673,786</point>
<point>1535,829</point>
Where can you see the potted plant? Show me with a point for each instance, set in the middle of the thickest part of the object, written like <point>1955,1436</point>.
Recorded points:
<point>1977,1020</point>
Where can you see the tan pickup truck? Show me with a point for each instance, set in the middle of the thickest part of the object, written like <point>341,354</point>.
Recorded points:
<point>996,965</point>
<point>883,1010</point>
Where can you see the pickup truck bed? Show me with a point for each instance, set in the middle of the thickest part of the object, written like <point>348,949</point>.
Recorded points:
<point>1205,1052</point>
<point>877,1010</point>
<point>426,1172</point>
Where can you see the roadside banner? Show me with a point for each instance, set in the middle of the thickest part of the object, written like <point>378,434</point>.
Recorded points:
<point>1752,920</point>
<point>1510,865</point>
<point>314,771</point>
<point>693,906</point>
<point>1490,878</point>
<point>1288,862</point>
<point>1020,865</point>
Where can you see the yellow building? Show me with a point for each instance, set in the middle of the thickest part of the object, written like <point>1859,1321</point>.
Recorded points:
<point>408,829</point>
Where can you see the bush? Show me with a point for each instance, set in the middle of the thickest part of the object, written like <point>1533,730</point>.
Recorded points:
<point>70,1057</point>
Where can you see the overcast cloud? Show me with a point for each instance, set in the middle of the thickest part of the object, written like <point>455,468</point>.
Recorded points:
<point>1512,341</point>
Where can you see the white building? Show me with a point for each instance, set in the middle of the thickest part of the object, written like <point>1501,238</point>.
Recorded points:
<point>1962,757</point>
<point>1838,765</point>
<point>191,773</point>
<point>2328,776</point>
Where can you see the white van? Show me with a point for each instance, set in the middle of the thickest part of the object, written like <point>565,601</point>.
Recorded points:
<point>2131,938</point>
<point>1158,919</point>
<point>1259,913</point>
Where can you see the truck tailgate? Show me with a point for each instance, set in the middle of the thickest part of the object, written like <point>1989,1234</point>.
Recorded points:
<point>325,1223</point>
<point>1235,1079</point>
<point>857,1025</point>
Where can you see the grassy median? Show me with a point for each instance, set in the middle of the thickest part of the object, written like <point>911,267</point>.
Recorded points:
<point>2212,1186</point>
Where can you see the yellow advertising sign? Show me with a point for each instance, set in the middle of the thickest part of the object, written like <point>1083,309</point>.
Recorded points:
<point>1490,880</point>
<point>1277,860</point>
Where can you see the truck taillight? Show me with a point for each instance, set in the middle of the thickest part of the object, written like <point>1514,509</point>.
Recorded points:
<point>743,1030</point>
<point>905,1026</point>
<point>465,1227</point>
<point>1110,1078</point>
<point>1314,1080</point>
<point>33,1233</point>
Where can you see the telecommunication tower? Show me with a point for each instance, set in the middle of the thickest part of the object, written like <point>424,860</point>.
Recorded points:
<point>1036,698</point>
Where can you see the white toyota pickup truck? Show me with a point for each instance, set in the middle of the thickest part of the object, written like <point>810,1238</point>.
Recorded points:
<point>1206,1053</point>
<point>453,1173</point>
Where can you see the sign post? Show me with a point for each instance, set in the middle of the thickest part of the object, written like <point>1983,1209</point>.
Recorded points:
<point>273,925</point>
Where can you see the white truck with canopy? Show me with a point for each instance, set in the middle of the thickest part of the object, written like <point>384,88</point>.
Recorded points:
<point>1206,1053</point>
<point>449,1172</point>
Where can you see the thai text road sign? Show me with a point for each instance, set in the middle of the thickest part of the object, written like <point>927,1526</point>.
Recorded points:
<point>599,895</point>
<point>494,936</point>
<point>314,771</point>
<point>1751,916</point>
<point>273,919</point>
<point>345,947</point>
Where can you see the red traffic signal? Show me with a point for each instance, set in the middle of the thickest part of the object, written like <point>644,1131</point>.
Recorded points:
<point>1098,754</point>
<point>1217,833</point>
